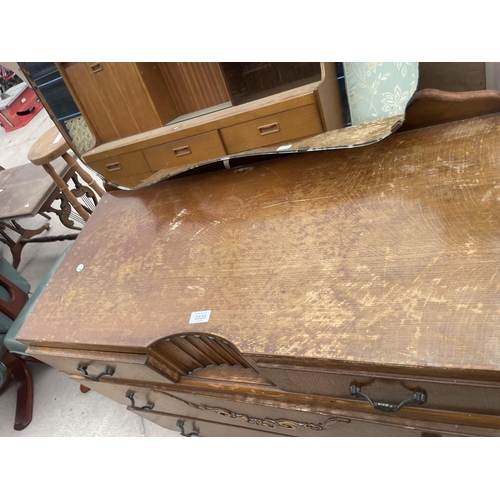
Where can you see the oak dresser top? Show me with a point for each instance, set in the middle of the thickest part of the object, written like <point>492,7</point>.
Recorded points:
<point>386,254</point>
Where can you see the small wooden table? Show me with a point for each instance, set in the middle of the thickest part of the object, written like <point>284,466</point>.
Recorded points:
<point>50,146</point>
<point>24,192</point>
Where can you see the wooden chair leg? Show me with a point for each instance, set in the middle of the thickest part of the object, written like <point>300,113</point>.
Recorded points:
<point>22,376</point>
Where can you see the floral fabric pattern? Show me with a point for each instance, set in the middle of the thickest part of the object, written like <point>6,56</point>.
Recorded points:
<point>379,90</point>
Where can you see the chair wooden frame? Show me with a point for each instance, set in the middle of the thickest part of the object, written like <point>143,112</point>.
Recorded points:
<point>16,366</point>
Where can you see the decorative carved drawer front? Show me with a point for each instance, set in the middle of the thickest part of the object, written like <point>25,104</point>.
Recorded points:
<point>273,129</point>
<point>190,427</point>
<point>193,149</point>
<point>121,166</point>
<point>105,367</point>
<point>145,401</point>
<point>389,393</point>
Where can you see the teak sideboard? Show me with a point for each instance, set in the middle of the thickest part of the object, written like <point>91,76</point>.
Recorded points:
<point>148,117</point>
<point>342,293</point>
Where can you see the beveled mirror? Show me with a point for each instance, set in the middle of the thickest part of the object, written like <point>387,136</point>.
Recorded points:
<point>138,123</point>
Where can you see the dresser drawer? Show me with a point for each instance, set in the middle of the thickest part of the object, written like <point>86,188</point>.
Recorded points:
<point>201,428</point>
<point>262,417</point>
<point>273,129</point>
<point>193,149</point>
<point>103,366</point>
<point>121,166</point>
<point>441,394</point>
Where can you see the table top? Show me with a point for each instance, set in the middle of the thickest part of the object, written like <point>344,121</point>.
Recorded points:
<point>386,254</point>
<point>24,189</point>
<point>48,147</point>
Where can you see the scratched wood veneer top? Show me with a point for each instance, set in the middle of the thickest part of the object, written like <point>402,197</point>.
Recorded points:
<point>383,254</point>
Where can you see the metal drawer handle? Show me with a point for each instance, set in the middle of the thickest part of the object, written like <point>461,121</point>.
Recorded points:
<point>148,406</point>
<point>180,424</point>
<point>107,371</point>
<point>417,398</point>
<point>271,128</point>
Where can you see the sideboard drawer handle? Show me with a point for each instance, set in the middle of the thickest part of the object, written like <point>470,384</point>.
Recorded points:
<point>96,67</point>
<point>271,128</point>
<point>417,398</point>
<point>184,150</point>
<point>180,424</point>
<point>108,371</point>
<point>148,406</point>
<point>113,167</point>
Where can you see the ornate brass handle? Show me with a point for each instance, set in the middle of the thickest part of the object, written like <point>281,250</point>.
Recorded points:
<point>108,371</point>
<point>180,424</point>
<point>148,406</point>
<point>417,398</point>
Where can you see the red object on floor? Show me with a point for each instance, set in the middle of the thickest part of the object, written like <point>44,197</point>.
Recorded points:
<point>18,110</point>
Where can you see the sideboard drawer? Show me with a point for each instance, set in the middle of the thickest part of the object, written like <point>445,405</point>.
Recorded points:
<point>201,428</point>
<point>121,166</point>
<point>261,417</point>
<point>104,366</point>
<point>441,394</point>
<point>190,150</point>
<point>273,129</point>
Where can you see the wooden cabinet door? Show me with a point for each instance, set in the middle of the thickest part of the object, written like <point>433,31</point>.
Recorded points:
<point>113,97</point>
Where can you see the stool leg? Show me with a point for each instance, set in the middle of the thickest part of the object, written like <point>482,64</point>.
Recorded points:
<point>83,174</point>
<point>65,189</point>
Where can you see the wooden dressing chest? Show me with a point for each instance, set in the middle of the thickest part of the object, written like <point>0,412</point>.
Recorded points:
<point>339,293</point>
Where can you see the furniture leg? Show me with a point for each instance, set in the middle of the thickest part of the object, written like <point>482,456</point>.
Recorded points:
<point>22,376</point>
<point>84,389</point>
<point>16,247</point>
<point>83,174</point>
<point>64,188</point>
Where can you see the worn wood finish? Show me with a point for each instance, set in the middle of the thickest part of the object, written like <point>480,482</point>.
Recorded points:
<point>374,266</point>
<point>356,136</point>
<point>371,234</point>
<point>25,189</point>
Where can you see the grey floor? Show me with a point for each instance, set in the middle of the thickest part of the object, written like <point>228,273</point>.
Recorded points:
<point>60,409</point>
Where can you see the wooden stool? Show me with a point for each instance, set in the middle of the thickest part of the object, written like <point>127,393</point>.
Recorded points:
<point>47,148</point>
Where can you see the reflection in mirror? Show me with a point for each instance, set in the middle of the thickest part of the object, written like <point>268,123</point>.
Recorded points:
<point>138,123</point>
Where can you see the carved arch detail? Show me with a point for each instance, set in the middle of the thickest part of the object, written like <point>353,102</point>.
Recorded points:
<point>179,355</point>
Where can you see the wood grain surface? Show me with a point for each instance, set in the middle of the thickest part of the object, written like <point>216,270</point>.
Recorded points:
<point>387,254</point>
<point>25,188</point>
<point>48,147</point>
